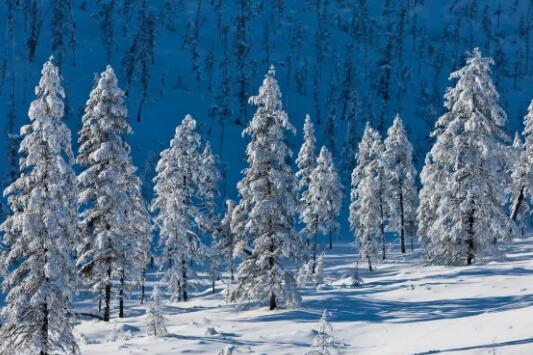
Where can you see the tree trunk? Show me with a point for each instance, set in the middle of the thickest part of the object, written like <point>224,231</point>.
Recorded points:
<point>382,230</point>
<point>107,296</point>
<point>142,285</point>
<point>330,240</point>
<point>273,304</point>
<point>517,204</point>
<point>44,329</point>
<point>314,247</point>
<point>470,241</point>
<point>369,264</point>
<point>402,221</point>
<point>184,279</point>
<point>213,286</point>
<point>121,296</point>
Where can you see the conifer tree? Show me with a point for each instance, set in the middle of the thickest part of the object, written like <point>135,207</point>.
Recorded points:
<point>268,198</point>
<point>368,209</point>
<point>523,170</point>
<point>402,195</point>
<point>322,202</point>
<point>463,181</point>
<point>323,342</point>
<point>37,261</point>
<point>114,223</point>
<point>185,187</point>
<point>154,318</point>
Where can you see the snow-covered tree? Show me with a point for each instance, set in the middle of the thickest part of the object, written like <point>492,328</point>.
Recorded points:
<point>185,185</point>
<point>154,318</point>
<point>523,169</point>
<point>323,342</point>
<point>114,223</point>
<point>463,181</point>
<point>37,261</point>
<point>225,244</point>
<point>268,194</point>
<point>517,174</point>
<point>321,202</point>
<point>401,174</point>
<point>306,159</point>
<point>368,209</point>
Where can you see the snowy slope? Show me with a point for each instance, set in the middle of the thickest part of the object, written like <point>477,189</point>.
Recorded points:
<point>404,307</point>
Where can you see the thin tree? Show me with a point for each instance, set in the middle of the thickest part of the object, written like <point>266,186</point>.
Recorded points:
<point>401,174</point>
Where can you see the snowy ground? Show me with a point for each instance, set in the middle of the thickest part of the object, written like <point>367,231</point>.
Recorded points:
<point>404,307</point>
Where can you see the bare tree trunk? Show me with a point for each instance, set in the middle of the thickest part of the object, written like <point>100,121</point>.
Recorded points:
<point>213,286</point>
<point>470,241</point>
<point>402,221</point>
<point>314,248</point>
<point>330,240</point>
<point>121,296</point>
<point>143,278</point>
<point>107,296</point>
<point>382,229</point>
<point>184,278</point>
<point>44,329</point>
<point>273,304</point>
<point>369,264</point>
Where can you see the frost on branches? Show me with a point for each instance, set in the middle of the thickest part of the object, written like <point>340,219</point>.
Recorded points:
<point>522,175</point>
<point>323,342</point>
<point>401,174</point>
<point>321,202</point>
<point>368,209</point>
<point>185,187</point>
<point>154,318</point>
<point>268,194</point>
<point>461,211</point>
<point>37,262</point>
<point>306,159</point>
<point>114,222</point>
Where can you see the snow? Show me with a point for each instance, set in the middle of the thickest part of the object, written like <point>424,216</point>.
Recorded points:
<point>404,307</point>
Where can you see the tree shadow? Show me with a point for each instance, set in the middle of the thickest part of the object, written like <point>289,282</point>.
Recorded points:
<point>484,346</point>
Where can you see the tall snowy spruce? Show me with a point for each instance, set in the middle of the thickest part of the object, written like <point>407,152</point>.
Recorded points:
<point>368,209</point>
<point>322,202</point>
<point>461,212</point>
<point>268,194</point>
<point>37,262</point>
<point>523,170</point>
<point>114,222</point>
<point>401,174</point>
<point>184,189</point>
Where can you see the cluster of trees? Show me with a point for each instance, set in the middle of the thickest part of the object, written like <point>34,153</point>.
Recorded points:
<point>94,229</point>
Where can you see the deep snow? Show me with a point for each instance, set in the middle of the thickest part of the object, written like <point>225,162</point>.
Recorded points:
<point>405,307</point>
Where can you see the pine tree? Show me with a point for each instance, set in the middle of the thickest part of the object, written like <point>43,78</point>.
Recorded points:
<point>523,170</point>
<point>322,202</point>
<point>518,173</point>
<point>306,159</point>
<point>401,174</point>
<point>114,223</point>
<point>368,209</point>
<point>37,263</point>
<point>268,197</point>
<point>463,181</point>
<point>154,318</point>
<point>323,342</point>
<point>184,188</point>
<point>226,242</point>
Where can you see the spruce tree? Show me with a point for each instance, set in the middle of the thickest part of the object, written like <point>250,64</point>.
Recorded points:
<point>37,263</point>
<point>401,174</point>
<point>463,181</point>
<point>322,202</point>
<point>154,318</point>
<point>368,210</point>
<point>268,197</point>
<point>114,222</point>
<point>185,187</point>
